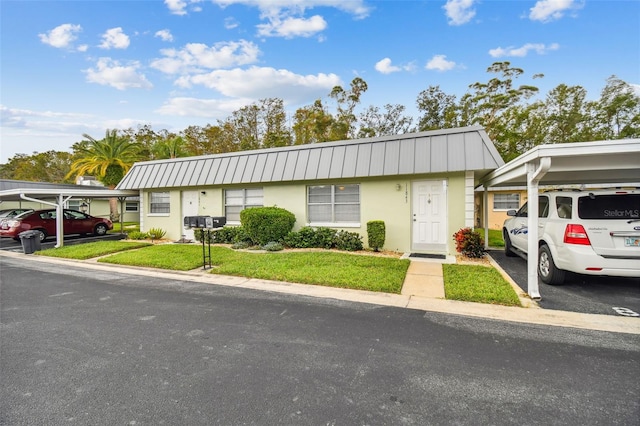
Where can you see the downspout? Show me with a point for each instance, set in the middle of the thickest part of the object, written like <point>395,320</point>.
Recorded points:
<point>533,178</point>
<point>485,216</point>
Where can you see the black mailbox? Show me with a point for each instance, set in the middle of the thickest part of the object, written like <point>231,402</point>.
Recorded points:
<point>204,222</point>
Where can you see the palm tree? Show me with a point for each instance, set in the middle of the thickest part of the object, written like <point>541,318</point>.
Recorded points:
<point>107,159</point>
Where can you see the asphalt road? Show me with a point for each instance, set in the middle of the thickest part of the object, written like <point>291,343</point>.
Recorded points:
<point>89,347</point>
<point>580,293</point>
<point>12,245</point>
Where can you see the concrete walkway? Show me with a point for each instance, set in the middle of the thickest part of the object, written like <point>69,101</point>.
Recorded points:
<point>424,279</point>
<point>423,290</point>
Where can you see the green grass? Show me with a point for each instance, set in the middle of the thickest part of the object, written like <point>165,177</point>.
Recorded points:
<point>323,268</point>
<point>178,257</point>
<point>470,283</point>
<point>495,237</point>
<point>128,227</point>
<point>90,250</point>
<point>474,283</point>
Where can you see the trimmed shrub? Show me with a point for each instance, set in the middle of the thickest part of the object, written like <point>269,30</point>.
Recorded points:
<point>225,235</point>
<point>469,243</point>
<point>240,245</point>
<point>198,233</point>
<point>376,234</point>
<point>264,224</point>
<point>324,238</point>
<point>156,233</point>
<point>137,235</point>
<point>350,241</point>
<point>272,246</point>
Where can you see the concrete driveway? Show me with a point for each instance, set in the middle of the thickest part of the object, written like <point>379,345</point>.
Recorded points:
<point>580,293</point>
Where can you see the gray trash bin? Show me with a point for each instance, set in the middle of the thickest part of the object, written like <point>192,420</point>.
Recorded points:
<point>30,241</point>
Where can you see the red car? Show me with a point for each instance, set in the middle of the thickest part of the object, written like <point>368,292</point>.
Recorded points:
<point>44,221</point>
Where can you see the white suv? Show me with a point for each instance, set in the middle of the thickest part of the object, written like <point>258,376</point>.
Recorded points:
<point>586,232</point>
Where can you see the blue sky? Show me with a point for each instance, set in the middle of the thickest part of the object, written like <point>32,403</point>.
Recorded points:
<point>74,67</point>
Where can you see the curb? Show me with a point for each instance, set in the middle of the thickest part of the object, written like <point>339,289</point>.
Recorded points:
<point>525,314</point>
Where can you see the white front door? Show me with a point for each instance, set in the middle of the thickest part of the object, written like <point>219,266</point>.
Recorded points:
<point>190,207</point>
<point>429,216</point>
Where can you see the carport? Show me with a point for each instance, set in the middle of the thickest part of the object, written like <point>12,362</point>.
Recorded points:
<point>57,197</point>
<point>603,162</point>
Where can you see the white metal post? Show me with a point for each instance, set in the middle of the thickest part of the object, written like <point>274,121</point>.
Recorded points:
<point>533,177</point>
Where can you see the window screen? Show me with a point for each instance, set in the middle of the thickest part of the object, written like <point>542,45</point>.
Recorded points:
<point>506,201</point>
<point>236,200</point>
<point>159,202</point>
<point>333,203</point>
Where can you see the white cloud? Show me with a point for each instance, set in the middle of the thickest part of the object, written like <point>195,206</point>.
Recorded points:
<point>292,27</point>
<point>384,66</point>
<point>109,72</point>
<point>550,10</point>
<point>178,7</point>
<point>114,38</point>
<point>265,82</point>
<point>195,57</point>
<point>230,23</point>
<point>440,63</point>
<point>164,35</point>
<point>208,108</point>
<point>45,130</point>
<point>274,7</point>
<point>61,36</point>
<point>459,11</point>
<point>524,50</point>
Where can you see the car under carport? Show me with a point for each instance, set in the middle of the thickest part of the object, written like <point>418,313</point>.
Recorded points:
<point>610,163</point>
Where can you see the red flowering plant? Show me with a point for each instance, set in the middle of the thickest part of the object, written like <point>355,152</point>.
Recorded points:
<point>469,243</point>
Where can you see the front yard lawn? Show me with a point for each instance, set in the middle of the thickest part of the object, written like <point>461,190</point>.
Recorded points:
<point>475,283</point>
<point>332,269</point>
<point>471,283</point>
<point>90,250</point>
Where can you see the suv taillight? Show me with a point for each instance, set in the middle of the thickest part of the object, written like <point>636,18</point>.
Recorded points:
<point>575,234</point>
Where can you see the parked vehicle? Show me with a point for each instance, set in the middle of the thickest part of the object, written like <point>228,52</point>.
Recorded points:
<point>9,213</point>
<point>44,221</point>
<point>585,232</point>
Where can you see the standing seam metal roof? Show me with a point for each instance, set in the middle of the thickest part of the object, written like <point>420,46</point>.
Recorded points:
<point>450,150</point>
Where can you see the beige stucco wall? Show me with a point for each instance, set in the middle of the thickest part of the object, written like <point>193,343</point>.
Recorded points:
<point>496,217</point>
<point>387,199</point>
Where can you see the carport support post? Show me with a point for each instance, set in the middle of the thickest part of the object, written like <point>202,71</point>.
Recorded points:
<point>60,222</point>
<point>533,178</point>
<point>122,200</point>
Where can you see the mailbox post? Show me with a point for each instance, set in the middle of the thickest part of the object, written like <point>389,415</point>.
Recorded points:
<point>206,224</point>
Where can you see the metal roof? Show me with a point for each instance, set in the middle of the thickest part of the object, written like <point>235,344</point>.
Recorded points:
<point>15,190</point>
<point>600,162</point>
<point>450,150</point>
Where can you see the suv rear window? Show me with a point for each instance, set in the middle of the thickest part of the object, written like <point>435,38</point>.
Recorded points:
<point>614,206</point>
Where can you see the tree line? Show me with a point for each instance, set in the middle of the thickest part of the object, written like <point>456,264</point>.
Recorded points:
<point>505,109</point>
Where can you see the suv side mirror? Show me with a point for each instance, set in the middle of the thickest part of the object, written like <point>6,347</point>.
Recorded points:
<point>511,212</point>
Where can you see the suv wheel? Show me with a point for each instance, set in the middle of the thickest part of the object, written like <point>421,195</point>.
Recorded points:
<point>508,248</point>
<point>549,273</point>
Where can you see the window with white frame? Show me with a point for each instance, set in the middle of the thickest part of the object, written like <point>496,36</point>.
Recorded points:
<point>159,203</point>
<point>333,203</point>
<point>506,201</point>
<point>236,200</point>
<point>131,206</point>
<point>74,204</point>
